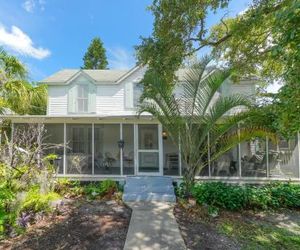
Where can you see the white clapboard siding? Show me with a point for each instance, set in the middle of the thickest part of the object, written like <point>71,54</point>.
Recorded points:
<point>109,98</point>
<point>118,99</point>
<point>57,100</point>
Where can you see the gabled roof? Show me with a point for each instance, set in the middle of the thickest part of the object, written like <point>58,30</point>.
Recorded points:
<point>103,75</point>
<point>65,75</point>
<point>113,76</point>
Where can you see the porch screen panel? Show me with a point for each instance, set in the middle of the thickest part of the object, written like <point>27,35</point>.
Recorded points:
<point>107,152</point>
<point>128,150</point>
<point>284,159</point>
<point>54,138</point>
<point>226,165</point>
<point>254,158</point>
<point>170,156</point>
<point>79,149</point>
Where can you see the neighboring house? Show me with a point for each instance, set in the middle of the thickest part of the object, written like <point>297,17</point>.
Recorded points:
<point>93,113</point>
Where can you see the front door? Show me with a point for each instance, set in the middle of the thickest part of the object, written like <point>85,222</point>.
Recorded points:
<point>148,157</point>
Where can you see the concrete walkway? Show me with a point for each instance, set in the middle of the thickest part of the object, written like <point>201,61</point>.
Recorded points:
<point>153,226</point>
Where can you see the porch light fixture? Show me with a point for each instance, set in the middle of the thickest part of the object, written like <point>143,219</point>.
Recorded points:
<point>121,144</point>
<point>164,135</point>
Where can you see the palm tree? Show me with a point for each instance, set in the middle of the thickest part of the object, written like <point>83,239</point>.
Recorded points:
<point>16,93</point>
<point>199,114</point>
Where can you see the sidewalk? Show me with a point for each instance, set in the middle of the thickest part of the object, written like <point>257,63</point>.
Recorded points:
<point>153,226</point>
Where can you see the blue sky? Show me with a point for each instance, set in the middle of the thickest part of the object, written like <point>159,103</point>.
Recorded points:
<point>49,35</point>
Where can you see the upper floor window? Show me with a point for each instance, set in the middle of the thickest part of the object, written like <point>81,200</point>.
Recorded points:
<point>82,98</point>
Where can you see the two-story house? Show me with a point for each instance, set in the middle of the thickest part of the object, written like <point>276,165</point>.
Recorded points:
<point>93,114</point>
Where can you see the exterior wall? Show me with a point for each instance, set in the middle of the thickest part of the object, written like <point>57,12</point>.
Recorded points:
<point>122,98</point>
<point>57,100</point>
<point>110,98</point>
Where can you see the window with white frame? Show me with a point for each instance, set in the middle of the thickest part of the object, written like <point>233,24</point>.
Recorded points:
<point>82,98</point>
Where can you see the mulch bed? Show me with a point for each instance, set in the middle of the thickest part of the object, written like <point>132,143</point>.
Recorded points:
<point>198,232</point>
<point>78,225</point>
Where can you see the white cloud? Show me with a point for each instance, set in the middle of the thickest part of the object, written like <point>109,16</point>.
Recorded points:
<point>242,12</point>
<point>120,58</point>
<point>18,41</point>
<point>29,5</point>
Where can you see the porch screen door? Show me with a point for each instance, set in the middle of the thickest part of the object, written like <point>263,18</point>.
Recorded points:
<point>148,149</point>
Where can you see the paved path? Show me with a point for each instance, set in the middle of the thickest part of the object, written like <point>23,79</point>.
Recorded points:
<point>153,226</point>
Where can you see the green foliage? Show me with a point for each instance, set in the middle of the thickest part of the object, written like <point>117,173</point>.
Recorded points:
<point>286,109</point>
<point>65,186</point>
<point>263,40</point>
<point>16,93</point>
<point>221,195</point>
<point>179,30</point>
<point>35,201</point>
<point>192,116</point>
<point>100,189</point>
<point>234,197</point>
<point>7,196</point>
<point>95,57</point>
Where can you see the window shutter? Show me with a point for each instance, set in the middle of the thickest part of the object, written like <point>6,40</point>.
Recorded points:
<point>129,95</point>
<point>72,93</point>
<point>92,98</point>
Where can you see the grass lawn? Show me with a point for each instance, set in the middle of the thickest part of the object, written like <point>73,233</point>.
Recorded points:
<point>234,230</point>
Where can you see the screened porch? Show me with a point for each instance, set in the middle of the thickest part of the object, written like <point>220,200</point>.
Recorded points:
<point>121,149</point>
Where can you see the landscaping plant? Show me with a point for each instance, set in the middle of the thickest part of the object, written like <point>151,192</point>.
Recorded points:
<point>100,189</point>
<point>196,116</point>
<point>235,197</point>
<point>27,179</point>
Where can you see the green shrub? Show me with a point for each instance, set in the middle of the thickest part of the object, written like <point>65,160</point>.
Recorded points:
<point>220,195</point>
<point>65,186</point>
<point>275,195</point>
<point>7,196</point>
<point>234,197</point>
<point>100,189</point>
<point>35,201</point>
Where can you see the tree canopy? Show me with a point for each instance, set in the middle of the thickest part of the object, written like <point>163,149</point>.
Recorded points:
<point>264,41</point>
<point>95,57</point>
<point>16,93</point>
<point>179,30</point>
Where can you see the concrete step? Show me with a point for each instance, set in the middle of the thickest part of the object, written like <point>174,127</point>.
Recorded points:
<point>135,197</point>
<point>149,188</point>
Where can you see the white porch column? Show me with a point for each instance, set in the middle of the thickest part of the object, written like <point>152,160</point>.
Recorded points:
<point>239,154</point>
<point>160,150</point>
<point>12,132</point>
<point>136,158</point>
<point>121,149</point>
<point>180,158</point>
<point>93,148</point>
<point>267,156</point>
<point>65,151</point>
<point>208,155</point>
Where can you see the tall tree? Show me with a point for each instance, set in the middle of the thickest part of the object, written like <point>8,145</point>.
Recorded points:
<point>95,57</point>
<point>194,116</point>
<point>179,30</point>
<point>16,93</point>
<point>263,40</point>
